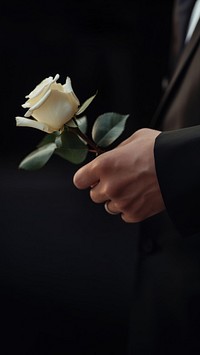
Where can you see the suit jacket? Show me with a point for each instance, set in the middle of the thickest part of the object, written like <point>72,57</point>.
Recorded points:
<point>180,108</point>
<point>166,308</point>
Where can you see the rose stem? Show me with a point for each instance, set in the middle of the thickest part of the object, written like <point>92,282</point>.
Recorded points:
<point>76,130</point>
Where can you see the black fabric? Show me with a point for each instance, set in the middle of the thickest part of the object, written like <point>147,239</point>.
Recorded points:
<point>166,308</point>
<point>181,17</point>
<point>179,181</point>
<point>66,267</point>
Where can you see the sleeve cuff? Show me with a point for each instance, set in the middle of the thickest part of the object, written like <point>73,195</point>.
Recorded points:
<point>177,160</point>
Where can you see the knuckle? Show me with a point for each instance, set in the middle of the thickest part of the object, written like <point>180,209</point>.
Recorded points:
<point>108,190</point>
<point>94,166</point>
<point>127,218</point>
<point>94,196</point>
<point>105,162</point>
<point>121,205</point>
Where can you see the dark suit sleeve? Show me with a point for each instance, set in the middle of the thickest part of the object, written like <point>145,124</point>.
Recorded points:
<point>177,159</point>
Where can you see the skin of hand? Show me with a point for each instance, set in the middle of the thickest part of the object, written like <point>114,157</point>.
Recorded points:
<point>126,177</point>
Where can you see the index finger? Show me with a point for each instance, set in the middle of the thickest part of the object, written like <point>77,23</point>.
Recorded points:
<point>86,176</point>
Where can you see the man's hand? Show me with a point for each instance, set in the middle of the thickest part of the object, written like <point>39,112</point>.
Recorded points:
<point>126,178</point>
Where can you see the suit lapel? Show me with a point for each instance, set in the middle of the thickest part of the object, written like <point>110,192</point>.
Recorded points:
<point>184,60</point>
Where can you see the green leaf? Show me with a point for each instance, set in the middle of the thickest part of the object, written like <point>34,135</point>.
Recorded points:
<point>85,105</point>
<point>108,127</point>
<point>48,138</point>
<point>72,149</point>
<point>82,123</point>
<point>38,158</point>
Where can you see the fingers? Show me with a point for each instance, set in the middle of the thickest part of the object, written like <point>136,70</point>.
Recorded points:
<point>97,194</point>
<point>111,210</point>
<point>89,175</point>
<point>107,208</point>
<point>86,176</point>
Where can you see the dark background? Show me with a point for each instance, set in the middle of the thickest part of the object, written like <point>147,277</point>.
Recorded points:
<point>67,267</point>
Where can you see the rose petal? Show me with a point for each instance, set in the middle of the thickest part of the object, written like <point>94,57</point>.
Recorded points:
<point>58,109</point>
<point>25,122</point>
<point>67,86</point>
<point>37,105</point>
<point>44,85</point>
<point>68,89</point>
<point>57,86</point>
<point>39,88</point>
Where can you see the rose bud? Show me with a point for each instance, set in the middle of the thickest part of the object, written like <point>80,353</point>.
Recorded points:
<point>51,105</point>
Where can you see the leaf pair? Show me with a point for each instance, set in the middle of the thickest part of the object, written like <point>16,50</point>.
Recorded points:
<point>67,145</point>
<point>73,144</point>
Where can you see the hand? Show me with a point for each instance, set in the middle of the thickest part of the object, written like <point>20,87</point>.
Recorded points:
<point>126,177</point>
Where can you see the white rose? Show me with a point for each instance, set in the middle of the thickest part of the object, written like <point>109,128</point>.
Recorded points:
<point>50,104</point>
